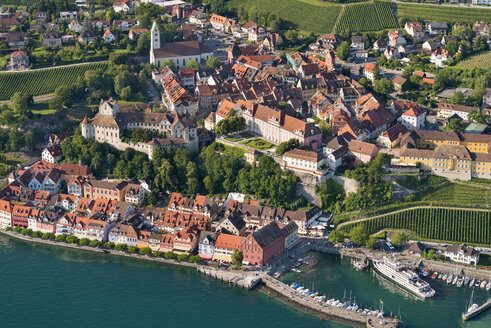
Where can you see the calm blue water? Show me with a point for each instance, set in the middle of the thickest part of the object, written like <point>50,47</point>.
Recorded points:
<point>46,286</point>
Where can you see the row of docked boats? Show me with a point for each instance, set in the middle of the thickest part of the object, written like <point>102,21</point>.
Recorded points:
<point>459,280</point>
<point>347,305</point>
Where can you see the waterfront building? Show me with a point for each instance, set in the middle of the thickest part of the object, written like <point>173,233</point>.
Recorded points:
<point>224,247</point>
<point>186,241</point>
<point>462,253</point>
<point>290,232</point>
<point>123,233</point>
<point>263,245</point>
<point>232,223</point>
<point>206,246</point>
<point>5,214</point>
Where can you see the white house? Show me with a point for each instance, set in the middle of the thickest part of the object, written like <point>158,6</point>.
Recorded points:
<point>123,5</point>
<point>413,118</point>
<point>437,28</point>
<point>52,154</point>
<point>305,161</point>
<point>206,245</point>
<point>439,56</point>
<point>462,253</point>
<point>5,214</point>
<point>75,26</point>
<point>68,15</point>
<point>446,110</point>
<point>109,36</point>
<point>357,42</point>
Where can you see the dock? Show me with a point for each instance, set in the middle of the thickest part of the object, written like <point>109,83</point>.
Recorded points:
<point>324,310</point>
<point>234,278</point>
<point>469,315</point>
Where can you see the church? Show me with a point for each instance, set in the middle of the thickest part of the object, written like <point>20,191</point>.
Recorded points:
<point>179,52</point>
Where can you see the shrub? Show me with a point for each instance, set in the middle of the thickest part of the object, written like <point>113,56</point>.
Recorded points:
<point>109,244</point>
<point>8,228</point>
<point>60,238</point>
<point>95,243</point>
<point>72,240</point>
<point>84,241</point>
<point>146,251</point>
<point>183,257</point>
<point>121,247</point>
<point>37,234</point>
<point>132,249</point>
<point>170,255</point>
<point>157,253</point>
<point>17,229</point>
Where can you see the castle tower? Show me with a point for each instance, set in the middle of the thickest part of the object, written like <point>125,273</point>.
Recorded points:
<point>330,61</point>
<point>155,35</point>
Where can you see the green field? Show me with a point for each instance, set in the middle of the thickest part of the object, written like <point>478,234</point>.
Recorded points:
<point>443,14</point>
<point>44,81</point>
<point>457,225</point>
<point>457,194</point>
<point>482,60</point>
<point>18,2</point>
<point>307,15</point>
<point>258,144</point>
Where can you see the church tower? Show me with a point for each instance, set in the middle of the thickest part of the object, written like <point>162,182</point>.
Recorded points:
<point>330,61</point>
<point>155,37</point>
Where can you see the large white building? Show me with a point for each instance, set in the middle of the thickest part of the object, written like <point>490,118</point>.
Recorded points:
<point>413,118</point>
<point>108,124</point>
<point>462,253</point>
<point>179,52</point>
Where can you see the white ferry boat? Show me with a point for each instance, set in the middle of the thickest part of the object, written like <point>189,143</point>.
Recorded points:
<point>398,273</point>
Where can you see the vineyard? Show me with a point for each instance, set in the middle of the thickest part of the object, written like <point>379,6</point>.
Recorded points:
<point>362,17</point>
<point>18,2</point>
<point>458,194</point>
<point>44,81</point>
<point>459,225</point>
<point>443,14</point>
<point>482,60</point>
<point>307,15</point>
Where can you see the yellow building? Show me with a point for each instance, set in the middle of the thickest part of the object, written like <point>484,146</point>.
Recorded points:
<point>452,155</point>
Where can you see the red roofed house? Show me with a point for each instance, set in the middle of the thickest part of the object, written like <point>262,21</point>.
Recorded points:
<point>263,245</point>
<point>392,137</point>
<point>135,34</point>
<point>5,214</point>
<point>108,36</point>
<point>439,56</point>
<point>221,23</point>
<point>369,71</point>
<point>362,151</point>
<point>224,247</point>
<point>413,118</point>
<point>18,61</point>
<point>52,154</point>
<point>186,241</point>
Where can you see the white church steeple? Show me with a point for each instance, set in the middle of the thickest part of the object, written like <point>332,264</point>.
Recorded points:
<point>155,37</point>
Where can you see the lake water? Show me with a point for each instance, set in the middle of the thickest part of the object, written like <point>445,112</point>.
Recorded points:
<point>47,286</point>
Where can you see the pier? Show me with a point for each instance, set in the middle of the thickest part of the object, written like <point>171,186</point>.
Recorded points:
<point>469,315</point>
<point>235,278</point>
<point>325,310</point>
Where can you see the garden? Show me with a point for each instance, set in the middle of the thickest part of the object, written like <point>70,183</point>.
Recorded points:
<point>258,144</point>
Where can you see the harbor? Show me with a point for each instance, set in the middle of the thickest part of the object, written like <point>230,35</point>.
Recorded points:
<point>475,310</point>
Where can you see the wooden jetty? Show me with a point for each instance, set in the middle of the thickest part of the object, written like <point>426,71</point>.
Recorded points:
<point>469,315</point>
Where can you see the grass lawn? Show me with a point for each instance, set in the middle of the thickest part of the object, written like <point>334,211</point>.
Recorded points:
<point>247,135</point>
<point>44,111</point>
<point>454,193</point>
<point>481,181</point>
<point>443,14</point>
<point>484,260</point>
<point>233,139</point>
<point>237,152</point>
<point>258,144</point>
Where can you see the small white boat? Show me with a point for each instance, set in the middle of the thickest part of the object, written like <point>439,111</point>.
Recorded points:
<point>449,279</point>
<point>483,284</point>
<point>466,281</point>
<point>444,277</point>
<point>488,286</point>
<point>472,282</point>
<point>455,280</point>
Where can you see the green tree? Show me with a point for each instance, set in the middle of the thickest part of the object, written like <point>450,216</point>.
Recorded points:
<point>336,237</point>
<point>20,103</point>
<point>121,247</point>
<point>452,46</point>
<point>72,239</point>
<point>60,238</point>
<point>146,251</point>
<point>291,36</point>
<point>183,257</point>
<point>169,63</point>
<point>157,253</point>
<point>213,63</point>
<point>398,239</point>
<point>143,44</point>
<point>109,244</point>
<point>458,98</point>
<point>237,257</point>
<point>372,243</point>
<point>95,243</point>
<point>195,259</point>
<point>126,93</point>
<point>26,232</point>
<point>65,93</point>
<point>343,50</point>
<point>285,146</point>
<point>132,249</point>
<point>359,235</point>
<point>170,255</point>
<point>37,234</point>
<point>29,140</point>
<point>480,44</point>
<point>193,64</point>
<point>84,241</point>
<point>192,178</point>
<point>48,236</point>
<point>478,117</point>
<point>454,125</point>
<point>383,86</point>
<point>230,124</point>
<point>17,229</point>
<point>56,103</point>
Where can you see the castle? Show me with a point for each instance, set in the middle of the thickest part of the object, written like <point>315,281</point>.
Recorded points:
<point>109,122</point>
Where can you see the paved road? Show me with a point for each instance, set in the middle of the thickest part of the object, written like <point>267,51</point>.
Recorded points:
<point>441,5</point>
